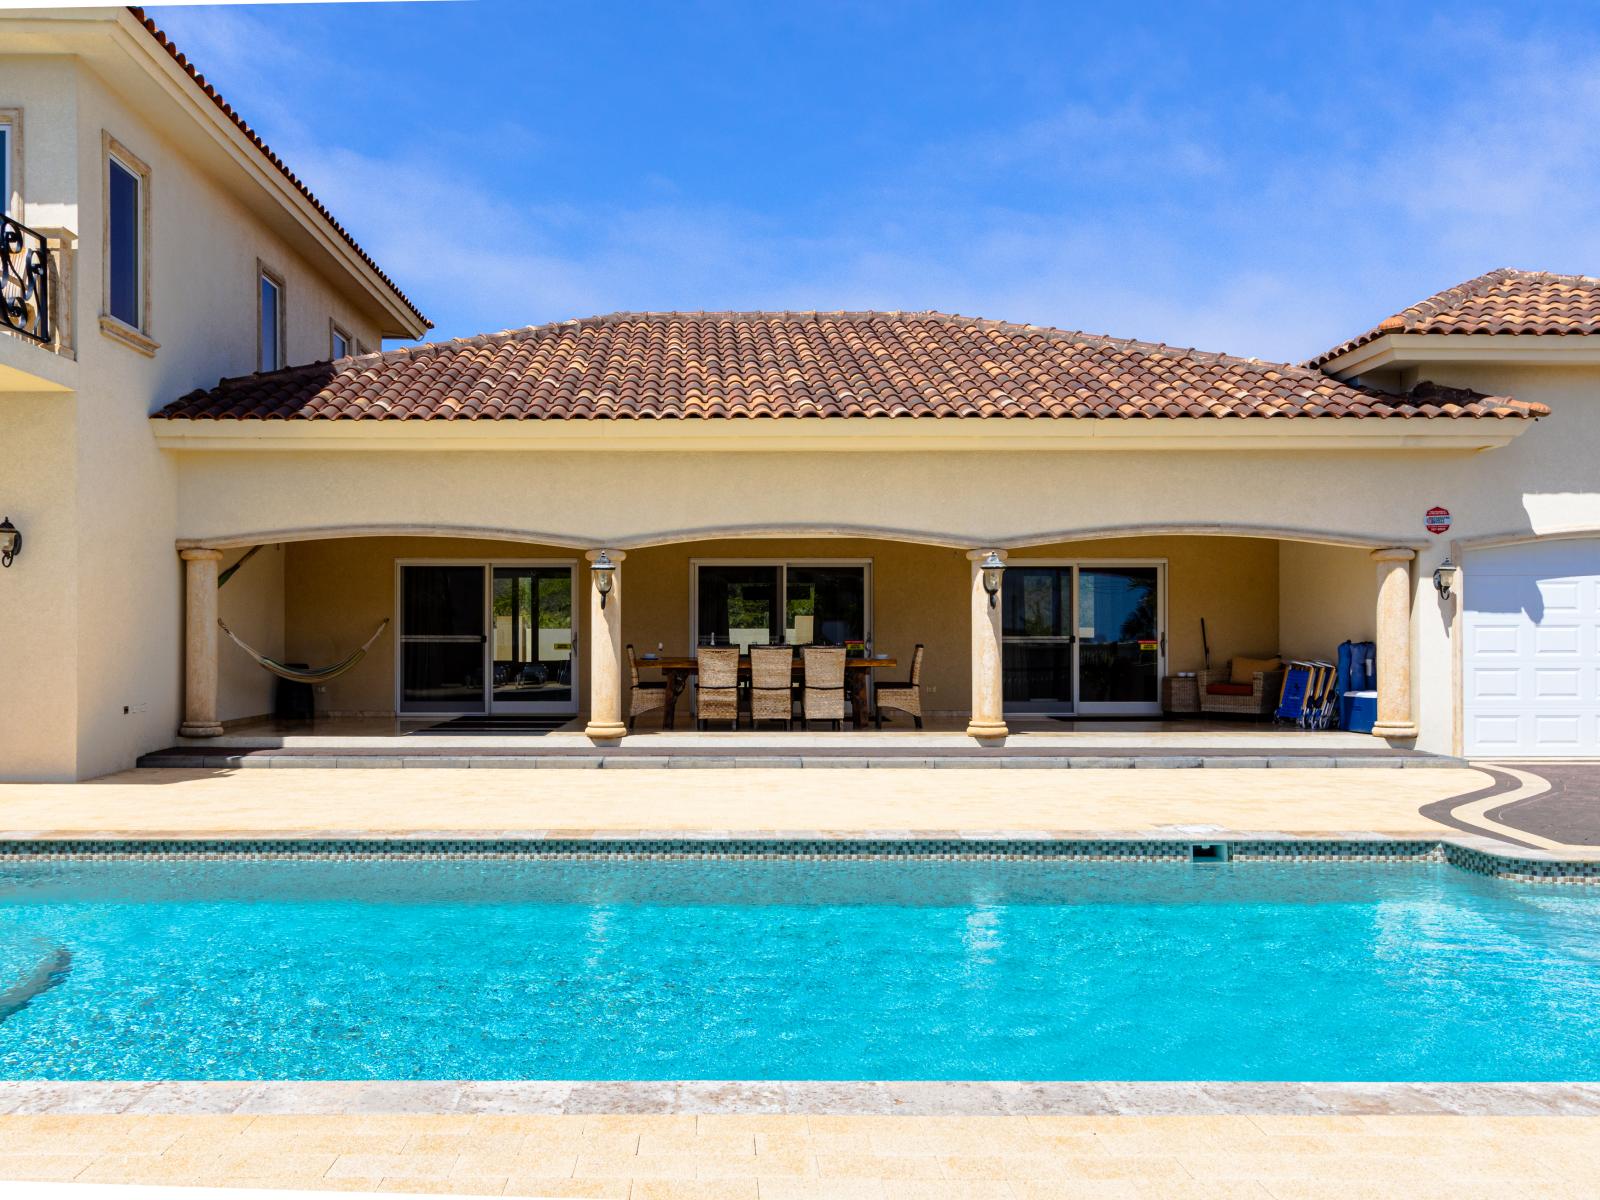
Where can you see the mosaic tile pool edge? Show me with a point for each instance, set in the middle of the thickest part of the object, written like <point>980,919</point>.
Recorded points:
<point>1146,850</point>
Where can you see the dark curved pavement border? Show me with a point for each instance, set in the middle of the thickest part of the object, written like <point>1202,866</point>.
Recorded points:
<point>1568,813</point>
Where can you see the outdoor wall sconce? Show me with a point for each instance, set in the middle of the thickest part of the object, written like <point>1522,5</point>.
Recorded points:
<point>994,569</point>
<point>1444,578</point>
<point>605,575</point>
<point>10,542</point>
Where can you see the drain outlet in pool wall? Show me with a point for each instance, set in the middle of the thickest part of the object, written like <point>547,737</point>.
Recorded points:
<point>1208,852</point>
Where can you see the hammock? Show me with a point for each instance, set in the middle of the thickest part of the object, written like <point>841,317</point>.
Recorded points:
<point>301,675</point>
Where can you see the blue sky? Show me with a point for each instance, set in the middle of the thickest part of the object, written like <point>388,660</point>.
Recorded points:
<point>1260,179</point>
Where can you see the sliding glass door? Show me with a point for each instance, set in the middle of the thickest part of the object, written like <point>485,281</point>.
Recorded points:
<point>533,640</point>
<point>797,603</point>
<point>486,637</point>
<point>1082,638</point>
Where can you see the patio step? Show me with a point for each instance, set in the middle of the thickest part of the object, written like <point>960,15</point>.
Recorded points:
<point>755,758</point>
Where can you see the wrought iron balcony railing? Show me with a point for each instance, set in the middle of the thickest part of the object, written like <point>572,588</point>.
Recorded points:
<point>24,280</point>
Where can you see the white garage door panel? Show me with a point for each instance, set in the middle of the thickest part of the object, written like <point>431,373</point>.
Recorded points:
<point>1531,650</point>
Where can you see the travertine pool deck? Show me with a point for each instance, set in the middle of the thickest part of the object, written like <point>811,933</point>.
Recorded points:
<point>819,1157</point>
<point>282,802</point>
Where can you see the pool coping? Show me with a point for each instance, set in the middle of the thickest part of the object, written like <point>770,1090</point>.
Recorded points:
<point>1476,853</point>
<point>956,1098</point>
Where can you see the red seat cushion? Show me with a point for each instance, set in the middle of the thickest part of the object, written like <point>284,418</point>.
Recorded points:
<point>1229,689</point>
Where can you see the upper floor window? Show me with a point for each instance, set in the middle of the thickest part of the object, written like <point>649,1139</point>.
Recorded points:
<point>124,235</point>
<point>5,167</point>
<point>339,342</point>
<point>270,338</point>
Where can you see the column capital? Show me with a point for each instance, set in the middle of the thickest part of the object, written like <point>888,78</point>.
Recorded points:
<point>200,554</point>
<point>975,555</point>
<point>1394,554</point>
<point>615,556</point>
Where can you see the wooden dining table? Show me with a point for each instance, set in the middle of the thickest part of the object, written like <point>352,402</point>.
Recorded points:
<point>678,671</point>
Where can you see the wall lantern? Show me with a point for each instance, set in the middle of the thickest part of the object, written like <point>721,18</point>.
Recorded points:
<point>605,575</point>
<point>1444,578</point>
<point>994,569</point>
<point>10,542</point>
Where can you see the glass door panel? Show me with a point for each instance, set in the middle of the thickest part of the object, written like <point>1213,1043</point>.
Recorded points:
<point>441,639</point>
<point>825,606</point>
<point>1036,650</point>
<point>737,605</point>
<point>1119,639</point>
<point>533,642</point>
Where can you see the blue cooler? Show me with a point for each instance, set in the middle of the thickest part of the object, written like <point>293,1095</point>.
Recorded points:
<point>1358,711</point>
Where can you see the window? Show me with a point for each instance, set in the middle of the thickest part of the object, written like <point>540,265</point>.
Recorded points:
<point>11,162</point>
<point>821,604</point>
<point>5,167</point>
<point>269,340</point>
<point>339,342</point>
<point>124,238</point>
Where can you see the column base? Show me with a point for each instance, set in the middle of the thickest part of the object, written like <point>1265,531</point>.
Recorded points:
<point>605,731</point>
<point>1394,729</point>
<point>188,730</point>
<point>987,731</point>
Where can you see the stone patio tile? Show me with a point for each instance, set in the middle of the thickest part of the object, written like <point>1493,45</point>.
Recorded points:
<point>45,1167</point>
<point>821,1189</point>
<point>386,1166</point>
<point>562,1189</point>
<point>694,1189</point>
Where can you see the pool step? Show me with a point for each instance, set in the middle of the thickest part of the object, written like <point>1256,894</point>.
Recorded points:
<point>50,971</point>
<point>228,759</point>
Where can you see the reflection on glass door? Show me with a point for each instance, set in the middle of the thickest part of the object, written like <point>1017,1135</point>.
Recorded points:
<point>1119,640</point>
<point>441,639</point>
<point>1036,654</point>
<point>533,639</point>
<point>1081,639</point>
<point>475,637</point>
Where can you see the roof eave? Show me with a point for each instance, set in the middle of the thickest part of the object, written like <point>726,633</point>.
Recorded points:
<point>845,434</point>
<point>1400,350</point>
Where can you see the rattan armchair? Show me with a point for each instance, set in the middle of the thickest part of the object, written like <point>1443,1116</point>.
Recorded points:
<point>823,696</point>
<point>905,697</point>
<point>716,686</point>
<point>1258,698</point>
<point>643,697</point>
<point>772,684</point>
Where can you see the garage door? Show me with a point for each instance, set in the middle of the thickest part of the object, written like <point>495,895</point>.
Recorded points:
<point>1531,650</point>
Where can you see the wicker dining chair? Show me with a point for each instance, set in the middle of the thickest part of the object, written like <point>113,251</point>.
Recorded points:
<point>905,697</point>
<point>823,695</point>
<point>772,684</point>
<point>716,687</point>
<point>644,697</point>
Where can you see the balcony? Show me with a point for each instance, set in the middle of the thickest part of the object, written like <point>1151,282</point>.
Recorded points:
<point>25,282</point>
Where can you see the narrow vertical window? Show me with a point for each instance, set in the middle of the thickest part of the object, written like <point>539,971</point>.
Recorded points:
<point>271,338</point>
<point>5,170</point>
<point>341,343</point>
<point>123,250</point>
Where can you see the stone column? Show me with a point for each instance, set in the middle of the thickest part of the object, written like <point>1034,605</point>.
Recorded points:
<point>605,655</point>
<point>988,721</point>
<point>1394,643</point>
<point>200,644</point>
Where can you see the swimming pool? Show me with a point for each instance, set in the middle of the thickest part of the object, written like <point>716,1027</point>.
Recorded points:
<point>823,969</point>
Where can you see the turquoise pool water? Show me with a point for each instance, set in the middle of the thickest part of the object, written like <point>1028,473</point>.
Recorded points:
<point>794,970</point>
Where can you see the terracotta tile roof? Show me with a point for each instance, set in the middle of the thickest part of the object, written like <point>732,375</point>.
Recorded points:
<point>863,364</point>
<point>215,97</point>
<point>1502,301</point>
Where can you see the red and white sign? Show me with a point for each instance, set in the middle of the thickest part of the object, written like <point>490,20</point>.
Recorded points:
<point>1437,520</point>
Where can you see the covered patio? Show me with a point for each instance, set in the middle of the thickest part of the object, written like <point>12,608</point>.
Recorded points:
<point>1093,643</point>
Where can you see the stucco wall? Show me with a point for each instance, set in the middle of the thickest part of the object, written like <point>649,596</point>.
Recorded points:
<point>1326,595</point>
<point>99,586</point>
<point>336,591</point>
<point>39,594</point>
<point>251,603</point>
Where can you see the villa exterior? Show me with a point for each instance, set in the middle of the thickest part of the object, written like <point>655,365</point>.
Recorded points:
<point>754,477</point>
